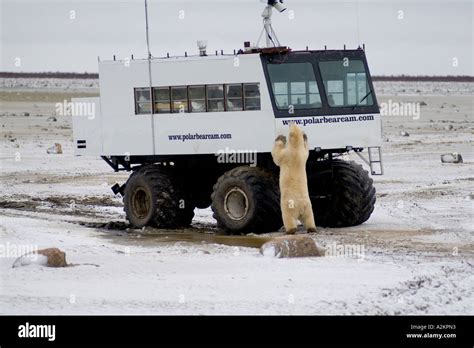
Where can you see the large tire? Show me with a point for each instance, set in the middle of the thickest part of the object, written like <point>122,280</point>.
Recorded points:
<point>343,196</point>
<point>153,197</point>
<point>247,199</point>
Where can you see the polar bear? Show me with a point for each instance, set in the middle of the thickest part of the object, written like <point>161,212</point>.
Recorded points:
<point>291,157</point>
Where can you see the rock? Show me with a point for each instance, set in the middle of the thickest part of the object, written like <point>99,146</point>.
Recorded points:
<point>291,246</point>
<point>448,127</point>
<point>451,158</point>
<point>404,134</point>
<point>56,149</point>
<point>56,257</point>
<point>13,205</point>
<point>51,119</point>
<point>51,257</point>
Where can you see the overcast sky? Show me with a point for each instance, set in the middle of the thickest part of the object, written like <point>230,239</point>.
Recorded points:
<point>414,37</point>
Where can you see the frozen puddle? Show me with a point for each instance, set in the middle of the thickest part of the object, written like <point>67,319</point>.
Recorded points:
<point>155,237</point>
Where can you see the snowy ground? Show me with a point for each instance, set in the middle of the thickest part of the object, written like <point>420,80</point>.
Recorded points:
<point>417,255</point>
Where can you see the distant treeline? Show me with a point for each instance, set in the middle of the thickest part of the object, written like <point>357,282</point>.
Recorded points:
<point>425,78</point>
<point>56,75</point>
<point>65,75</point>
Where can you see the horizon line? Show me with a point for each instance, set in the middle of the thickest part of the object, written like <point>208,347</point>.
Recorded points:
<point>89,75</point>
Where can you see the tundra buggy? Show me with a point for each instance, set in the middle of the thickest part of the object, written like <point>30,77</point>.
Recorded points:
<point>197,131</point>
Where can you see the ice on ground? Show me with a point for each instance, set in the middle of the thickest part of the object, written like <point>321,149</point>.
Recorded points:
<point>417,248</point>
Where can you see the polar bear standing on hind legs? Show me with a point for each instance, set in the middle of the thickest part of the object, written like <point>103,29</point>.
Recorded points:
<point>291,157</point>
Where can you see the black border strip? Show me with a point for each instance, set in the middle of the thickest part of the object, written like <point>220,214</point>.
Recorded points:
<point>347,330</point>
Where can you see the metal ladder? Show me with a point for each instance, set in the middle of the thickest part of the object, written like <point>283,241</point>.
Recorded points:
<point>374,161</point>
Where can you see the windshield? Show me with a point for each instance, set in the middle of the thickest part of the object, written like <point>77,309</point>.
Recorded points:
<point>345,82</point>
<point>294,85</point>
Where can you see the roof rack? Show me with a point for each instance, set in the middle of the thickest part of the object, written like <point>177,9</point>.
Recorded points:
<point>268,50</point>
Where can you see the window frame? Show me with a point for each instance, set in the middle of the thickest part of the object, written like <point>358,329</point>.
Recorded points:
<point>208,99</point>
<point>136,102</point>
<point>155,112</point>
<point>314,57</point>
<point>241,85</point>
<point>186,101</point>
<point>345,89</point>
<point>245,98</point>
<point>289,90</point>
<point>190,100</point>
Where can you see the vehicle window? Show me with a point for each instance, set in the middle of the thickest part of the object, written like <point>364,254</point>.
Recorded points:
<point>234,101</point>
<point>179,99</point>
<point>162,100</point>
<point>215,98</point>
<point>346,83</point>
<point>251,96</point>
<point>294,84</point>
<point>197,98</point>
<point>142,101</point>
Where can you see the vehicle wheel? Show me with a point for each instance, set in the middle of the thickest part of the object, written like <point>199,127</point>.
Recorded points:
<point>153,198</point>
<point>343,196</point>
<point>247,199</point>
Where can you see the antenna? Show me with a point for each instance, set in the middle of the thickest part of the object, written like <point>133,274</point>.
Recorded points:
<point>271,39</point>
<point>149,76</point>
<point>146,29</point>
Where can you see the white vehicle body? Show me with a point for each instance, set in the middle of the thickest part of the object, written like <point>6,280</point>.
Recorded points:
<point>116,130</point>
